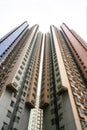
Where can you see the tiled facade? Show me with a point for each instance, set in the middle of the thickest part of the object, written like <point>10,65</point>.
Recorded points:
<point>43,79</point>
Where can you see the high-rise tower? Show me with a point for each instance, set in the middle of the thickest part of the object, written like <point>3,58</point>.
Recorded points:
<point>43,79</point>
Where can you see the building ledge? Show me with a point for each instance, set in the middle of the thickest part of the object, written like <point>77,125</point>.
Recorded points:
<point>44,105</point>
<point>11,87</point>
<point>29,104</point>
<point>62,90</point>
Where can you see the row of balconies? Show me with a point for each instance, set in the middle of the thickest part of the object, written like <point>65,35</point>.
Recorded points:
<point>75,85</point>
<point>45,90</point>
<point>32,92</point>
<point>45,96</point>
<point>80,57</point>
<point>9,63</point>
<point>13,86</point>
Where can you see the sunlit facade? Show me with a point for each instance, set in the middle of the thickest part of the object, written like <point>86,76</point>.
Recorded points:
<point>43,79</point>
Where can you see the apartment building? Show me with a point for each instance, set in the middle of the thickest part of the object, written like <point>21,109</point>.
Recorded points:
<point>43,79</point>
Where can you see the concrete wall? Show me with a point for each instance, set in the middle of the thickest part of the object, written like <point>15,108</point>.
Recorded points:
<point>4,104</point>
<point>68,119</point>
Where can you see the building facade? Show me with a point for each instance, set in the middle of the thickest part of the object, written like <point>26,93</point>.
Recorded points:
<point>43,79</point>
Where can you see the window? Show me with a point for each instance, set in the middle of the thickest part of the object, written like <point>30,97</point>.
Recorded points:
<point>17,77</point>
<point>85,95</point>
<point>58,97</point>
<point>32,101</point>
<point>51,89</point>
<point>24,94</point>
<point>15,95</point>
<point>84,124</point>
<point>80,110</point>
<point>53,121</point>
<point>27,53</point>
<point>21,67</point>
<point>76,99</point>
<point>26,82</point>
<point>33,95</point>
<point>20,72</point>
<point>15,84</point>
<point>35,83</point>
<point>25,60</point>
<point>25,87</point>
<point>34,89</point>
<point>12,104</point>
<point>73,89</point>
<point>56,69</point>
<point>85,111</point>
<point>23,63</point>
<point>9,114</point>
<point>22,101</point>
<point>47,96</point>
<point>15,129</point>
<point>51,95</point>
<point>59,106</point>
<point>57,74</point>
<point>52,102</point>
<point>56,64</point>
<point>17,119</point>
<point>58,79</point>
<point>62,127</point>
<point>36,78</point>
<point>60,116</point>
<point>4,127</point>
<point>52,111</point>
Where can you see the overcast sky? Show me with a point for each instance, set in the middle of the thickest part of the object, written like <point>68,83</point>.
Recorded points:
<point>44,13</point>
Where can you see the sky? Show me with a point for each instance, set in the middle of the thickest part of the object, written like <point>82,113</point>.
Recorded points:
<point>44,13</point>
